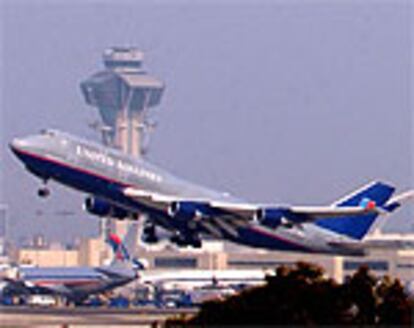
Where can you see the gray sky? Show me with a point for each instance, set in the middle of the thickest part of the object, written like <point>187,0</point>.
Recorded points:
<point>276,101</point>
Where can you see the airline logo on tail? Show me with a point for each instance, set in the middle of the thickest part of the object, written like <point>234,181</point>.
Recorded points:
<point>118,247</point>
<point>368,204</point>
<point>373,196</point>
<point>121,253</point>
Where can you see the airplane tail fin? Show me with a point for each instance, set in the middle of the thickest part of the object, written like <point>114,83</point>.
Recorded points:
<point>375,194</point>
<point>121,249</point>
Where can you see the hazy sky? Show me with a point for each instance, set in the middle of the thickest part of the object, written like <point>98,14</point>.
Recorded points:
<point>276,101</point>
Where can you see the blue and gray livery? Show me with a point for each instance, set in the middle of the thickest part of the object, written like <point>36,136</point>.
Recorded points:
<point>122,186</point>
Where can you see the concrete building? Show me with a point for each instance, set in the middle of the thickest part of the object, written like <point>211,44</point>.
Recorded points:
<point>173,259</point>
<point>47,257</point>
<point>215,256</point>
<point>392,263</point>
<point>396,263</point>
<point>92,252</point>
<point>123,92</point>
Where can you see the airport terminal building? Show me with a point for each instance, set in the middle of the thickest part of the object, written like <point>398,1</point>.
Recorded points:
<point>216,255</point>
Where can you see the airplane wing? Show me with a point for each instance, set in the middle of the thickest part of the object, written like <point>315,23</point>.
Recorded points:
<point>245,212</point>
<point>16,285</point>
<point>25,287</point>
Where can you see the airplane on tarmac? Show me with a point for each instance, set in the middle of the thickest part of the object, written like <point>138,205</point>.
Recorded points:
<point>122,186</point>
<point>75,284</point>
<point>192,278</point>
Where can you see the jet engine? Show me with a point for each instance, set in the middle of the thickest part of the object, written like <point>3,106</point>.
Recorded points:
<point>187,210</point>
<point>271,218</point>
<point>187,213</point>
<point>100,207</point>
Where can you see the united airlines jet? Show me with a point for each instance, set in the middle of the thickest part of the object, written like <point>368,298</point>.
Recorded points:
<point>122,186</point>
<point>75,284</point>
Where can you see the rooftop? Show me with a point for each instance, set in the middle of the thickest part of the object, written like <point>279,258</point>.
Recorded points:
<point>124,58</point>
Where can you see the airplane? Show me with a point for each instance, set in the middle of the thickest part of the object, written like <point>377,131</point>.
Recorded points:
<point>190,278</point>
<point>121,186</point>
<point>76,284</point>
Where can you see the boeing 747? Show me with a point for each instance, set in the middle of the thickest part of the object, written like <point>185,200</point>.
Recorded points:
<point>122,186</point>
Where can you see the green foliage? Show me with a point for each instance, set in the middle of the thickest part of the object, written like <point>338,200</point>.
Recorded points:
<point>302,295</point>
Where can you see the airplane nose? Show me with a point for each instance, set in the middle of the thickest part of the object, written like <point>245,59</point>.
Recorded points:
<point>18,144</point>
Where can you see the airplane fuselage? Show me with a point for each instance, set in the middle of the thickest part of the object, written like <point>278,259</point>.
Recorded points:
<point>74,283</point>
<point>105,173</point>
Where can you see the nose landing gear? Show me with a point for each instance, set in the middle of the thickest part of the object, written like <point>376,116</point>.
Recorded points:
<point>43,191</point>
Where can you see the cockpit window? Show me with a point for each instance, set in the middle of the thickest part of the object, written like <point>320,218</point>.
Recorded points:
<point>45,132</point>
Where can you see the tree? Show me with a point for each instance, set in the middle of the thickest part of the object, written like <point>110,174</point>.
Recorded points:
<point>303,295</point>
<point>360,289</point>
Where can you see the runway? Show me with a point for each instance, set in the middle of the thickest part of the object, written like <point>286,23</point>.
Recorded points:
<point>22,316</point>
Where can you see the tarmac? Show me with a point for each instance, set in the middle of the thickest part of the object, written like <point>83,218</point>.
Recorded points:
<point>23,316</point>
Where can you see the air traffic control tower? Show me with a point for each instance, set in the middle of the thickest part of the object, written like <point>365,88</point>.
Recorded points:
<point>123,92</point>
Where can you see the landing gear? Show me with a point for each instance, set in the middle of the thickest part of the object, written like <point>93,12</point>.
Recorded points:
<point>196,243</point>
<point>43,192</point>
<point>149,234</point>
<point>186,240</point>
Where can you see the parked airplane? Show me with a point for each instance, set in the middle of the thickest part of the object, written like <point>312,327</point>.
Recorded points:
<point>122,186</point>
<point>190,279</point>
<point>75,284</point>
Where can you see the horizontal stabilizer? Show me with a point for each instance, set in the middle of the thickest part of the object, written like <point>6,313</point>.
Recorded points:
<point>398,200</point>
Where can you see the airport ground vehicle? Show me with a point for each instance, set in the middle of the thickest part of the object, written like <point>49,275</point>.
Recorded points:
<point>6,300</point>
<point>41,300</point>
<point>119,302</point>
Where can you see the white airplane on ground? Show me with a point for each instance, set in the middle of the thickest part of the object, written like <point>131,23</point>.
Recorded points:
<point>76,284</point>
